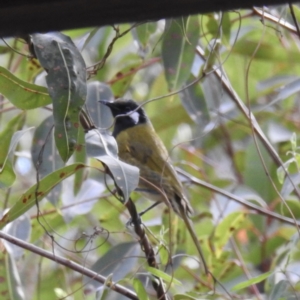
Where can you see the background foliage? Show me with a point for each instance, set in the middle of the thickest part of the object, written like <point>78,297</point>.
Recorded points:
<point>225,90</point>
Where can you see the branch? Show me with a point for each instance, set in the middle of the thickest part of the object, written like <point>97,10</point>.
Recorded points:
<point>238,199</point>
<point>147,248</point>
<point>70,264</point>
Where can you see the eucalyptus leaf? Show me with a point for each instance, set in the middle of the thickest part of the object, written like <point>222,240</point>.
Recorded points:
<point>38,192</point>
<point>251,281</point>
<point>66,81</point>
<point>22,94</point>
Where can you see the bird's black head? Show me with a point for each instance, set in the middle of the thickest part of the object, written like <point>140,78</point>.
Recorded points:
<point>127,114</point>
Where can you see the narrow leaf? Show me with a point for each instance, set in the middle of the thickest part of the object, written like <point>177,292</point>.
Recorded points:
<point>22,94</point>
<point>251,281</point>
<point>140,289</point>
<point>38,192</point>
<point>167,278</point>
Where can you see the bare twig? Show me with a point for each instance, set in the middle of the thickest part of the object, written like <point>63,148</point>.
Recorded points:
<point>261,210</point>
<point>70,264</point>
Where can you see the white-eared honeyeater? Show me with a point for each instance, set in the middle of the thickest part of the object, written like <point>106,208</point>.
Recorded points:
<point>140,146</point>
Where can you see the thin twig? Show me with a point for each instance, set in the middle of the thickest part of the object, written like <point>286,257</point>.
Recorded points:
<point>70,264</point>
<point>238,199</point>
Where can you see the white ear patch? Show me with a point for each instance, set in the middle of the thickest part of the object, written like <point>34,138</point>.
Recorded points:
<point>135,116</point>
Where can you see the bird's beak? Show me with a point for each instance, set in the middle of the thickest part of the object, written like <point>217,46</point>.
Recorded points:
<point>106,102</point>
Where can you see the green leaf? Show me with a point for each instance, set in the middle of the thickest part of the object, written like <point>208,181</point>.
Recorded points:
<point>22,94</point>
<point>251,281</point>
<point>140,289</point>
<point>80,156</point>
<point>122,80</point>
<point>38,192</point>
<point>185,297</point>
<point>167,278</point>
<point>142,33</point>
<point>9,138</point>
<point>7,176</point>
<point>225,230</point>
<point>6,137</point>
<point>294,207</point>
<point>178,49</point>
<point>66,82</point>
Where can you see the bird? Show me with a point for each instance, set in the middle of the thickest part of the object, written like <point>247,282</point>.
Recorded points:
<point>139,145</point>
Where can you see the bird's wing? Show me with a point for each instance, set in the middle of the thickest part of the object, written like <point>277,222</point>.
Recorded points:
<point>149,154</point>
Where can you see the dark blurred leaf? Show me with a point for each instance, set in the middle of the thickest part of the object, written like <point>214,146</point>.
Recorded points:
<point>38,192</point>
<point>103,147</point>
<point>66,82</point>
<point>22,94</point>
<point>100,114</point>
<point>45,155</point>
<point>193,101</point>
<point>118,261</point>
<point>178,49</point>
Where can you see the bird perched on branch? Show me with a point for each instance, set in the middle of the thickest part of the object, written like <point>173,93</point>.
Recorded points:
<point>140,146</point>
